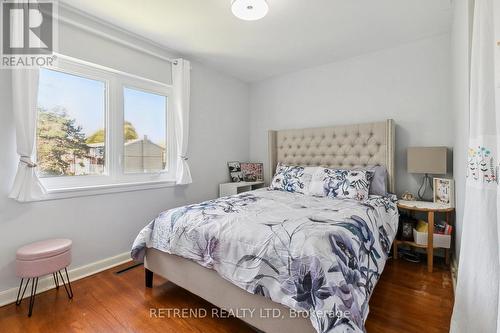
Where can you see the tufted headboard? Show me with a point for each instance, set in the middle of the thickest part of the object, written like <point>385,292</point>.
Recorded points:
<point>346,147</point>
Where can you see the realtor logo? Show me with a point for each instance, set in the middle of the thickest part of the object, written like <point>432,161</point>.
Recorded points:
<point>27,33</point>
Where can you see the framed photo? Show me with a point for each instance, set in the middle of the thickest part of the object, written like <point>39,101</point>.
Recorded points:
<point>252,172</point>
<point>444,191</point>
<point>235,171</point>
<point>406,225</point>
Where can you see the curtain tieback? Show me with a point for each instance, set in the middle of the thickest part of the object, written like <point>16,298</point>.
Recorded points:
<point>183,157</point>
<point>27,160</point>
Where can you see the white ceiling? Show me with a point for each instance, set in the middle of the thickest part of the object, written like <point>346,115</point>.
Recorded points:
<point>296,34</point>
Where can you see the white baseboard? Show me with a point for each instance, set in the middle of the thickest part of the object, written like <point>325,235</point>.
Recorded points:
<point>454,272</point>
<point>9,296</point>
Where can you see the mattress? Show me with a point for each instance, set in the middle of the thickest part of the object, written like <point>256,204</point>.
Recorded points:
<point>321,257</point>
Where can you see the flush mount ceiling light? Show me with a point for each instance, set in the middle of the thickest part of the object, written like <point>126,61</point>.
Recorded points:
<point>249,10</point>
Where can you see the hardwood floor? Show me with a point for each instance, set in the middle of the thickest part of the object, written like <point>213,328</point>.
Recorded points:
<point>406,299</point>
<point>410,299</point>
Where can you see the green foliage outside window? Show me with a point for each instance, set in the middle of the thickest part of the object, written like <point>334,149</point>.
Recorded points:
<point>60,141</point>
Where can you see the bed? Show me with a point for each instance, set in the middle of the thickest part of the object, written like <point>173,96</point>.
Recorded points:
<point>280,261</point>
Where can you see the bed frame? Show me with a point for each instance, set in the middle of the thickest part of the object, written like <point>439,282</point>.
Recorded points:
<point>346,146</point>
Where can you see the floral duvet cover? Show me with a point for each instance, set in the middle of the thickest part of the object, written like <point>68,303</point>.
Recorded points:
<point>321,256</point>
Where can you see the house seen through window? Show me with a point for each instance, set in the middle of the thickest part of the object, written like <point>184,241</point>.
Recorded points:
<point>144,131</point>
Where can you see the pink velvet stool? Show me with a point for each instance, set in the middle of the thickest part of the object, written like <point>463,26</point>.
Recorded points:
<point>42,258</point>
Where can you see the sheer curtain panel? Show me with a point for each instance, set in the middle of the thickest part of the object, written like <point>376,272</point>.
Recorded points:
<point>181,72</point>
<point>477,292</point>
<point>27,186</point>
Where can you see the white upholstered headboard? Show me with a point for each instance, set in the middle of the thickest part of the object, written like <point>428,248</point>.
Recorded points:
<point>347,147</point>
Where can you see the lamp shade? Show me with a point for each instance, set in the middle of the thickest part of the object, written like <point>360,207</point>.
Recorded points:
<point>427,160</point>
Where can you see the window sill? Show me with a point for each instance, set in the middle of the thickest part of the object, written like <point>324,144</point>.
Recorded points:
<point>82,191</point>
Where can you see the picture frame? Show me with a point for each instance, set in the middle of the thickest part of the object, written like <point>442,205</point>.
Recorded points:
<point>444,191</point>
<point>252,172</point>
<point>406,226</point>
<point>235,171</point>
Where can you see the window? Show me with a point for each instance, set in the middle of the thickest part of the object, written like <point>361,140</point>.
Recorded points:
<point>71,125</point>
<point>100,127</point>
<point>144,131</point>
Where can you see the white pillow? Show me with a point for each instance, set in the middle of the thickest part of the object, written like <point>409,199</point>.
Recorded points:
<point>340,183</point>
<point>292,178</point>
<point>378,185</point>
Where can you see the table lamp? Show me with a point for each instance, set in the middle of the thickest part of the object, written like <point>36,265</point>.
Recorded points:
<point>426,160</point>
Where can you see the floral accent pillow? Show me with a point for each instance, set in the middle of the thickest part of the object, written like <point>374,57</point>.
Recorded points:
<point>339,183</point>
<point>292,178</point>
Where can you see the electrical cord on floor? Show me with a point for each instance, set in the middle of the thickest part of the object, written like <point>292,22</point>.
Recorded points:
<point>128,268</point>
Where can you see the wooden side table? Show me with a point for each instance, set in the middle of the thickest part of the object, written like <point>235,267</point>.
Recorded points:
<point>431,208</point>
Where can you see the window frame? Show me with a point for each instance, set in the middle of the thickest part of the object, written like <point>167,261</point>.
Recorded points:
<point>114,178</point>
<point>169,135</point>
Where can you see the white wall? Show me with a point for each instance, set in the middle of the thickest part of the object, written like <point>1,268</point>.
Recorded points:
<point>409,84</point>
<point>77,42</point>
<point>460,62</point>
<point>104,226</point>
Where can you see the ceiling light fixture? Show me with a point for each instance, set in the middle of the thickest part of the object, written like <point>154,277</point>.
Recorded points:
<point>249,10</point>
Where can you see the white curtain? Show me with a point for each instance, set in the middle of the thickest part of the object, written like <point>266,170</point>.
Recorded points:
<point>477,291</point>
<point>181,73</point>
<point>27,186</point>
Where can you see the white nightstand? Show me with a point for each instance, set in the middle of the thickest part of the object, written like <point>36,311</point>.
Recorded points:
<point>239,187</point>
